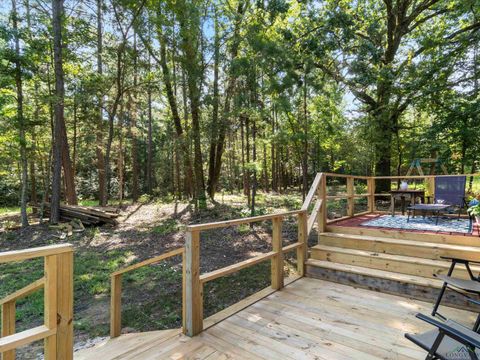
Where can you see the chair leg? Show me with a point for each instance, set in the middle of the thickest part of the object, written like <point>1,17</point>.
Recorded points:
<point>442,291</point>
<point>439,299</point>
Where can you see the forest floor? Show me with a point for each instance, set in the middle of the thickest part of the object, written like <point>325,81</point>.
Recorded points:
<point>151,298</point>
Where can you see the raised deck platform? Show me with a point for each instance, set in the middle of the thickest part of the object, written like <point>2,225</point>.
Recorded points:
<point>308,319</point>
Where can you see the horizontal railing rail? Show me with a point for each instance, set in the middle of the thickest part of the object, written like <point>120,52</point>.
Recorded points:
<point>195,280</point>
<point>57,330</point>
<point>116,288</point>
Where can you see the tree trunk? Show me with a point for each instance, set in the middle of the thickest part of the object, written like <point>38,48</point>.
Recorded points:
<point>219,137</point>
<point>172,101</point>
<point>102,180</point>
<point>214,127</point>
<point>57,16</point>
<point>150,140</point>
<point>20,119</point>
<point>133,125</point>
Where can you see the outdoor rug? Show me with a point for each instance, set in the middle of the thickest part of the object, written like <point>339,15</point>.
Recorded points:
<point>419,223</point>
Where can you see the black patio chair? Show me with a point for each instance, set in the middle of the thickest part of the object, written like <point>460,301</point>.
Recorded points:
<point>465,287</point>
<point>448,340</point>
<point>450,190</point>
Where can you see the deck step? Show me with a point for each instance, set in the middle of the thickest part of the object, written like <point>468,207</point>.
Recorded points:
<point>421,249</point>
<point>417,287</point>
<point>458,239</point>
<point>389,262</point>
<point>375,273</point>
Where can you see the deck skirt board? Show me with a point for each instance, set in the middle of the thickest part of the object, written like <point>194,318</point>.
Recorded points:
<point>308,319</point>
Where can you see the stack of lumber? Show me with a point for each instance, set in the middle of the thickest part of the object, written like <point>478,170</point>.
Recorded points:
<point>87,215</point>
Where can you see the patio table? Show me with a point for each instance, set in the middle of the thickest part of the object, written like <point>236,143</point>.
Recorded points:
<point>413,194</point>
<point>435,209</point>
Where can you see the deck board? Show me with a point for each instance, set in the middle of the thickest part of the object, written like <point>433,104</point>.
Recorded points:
<point>309,319</point>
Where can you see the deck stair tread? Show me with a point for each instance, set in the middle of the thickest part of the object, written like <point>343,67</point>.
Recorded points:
<point>414,236</point>
<point>410,259</point>
<point>474,249</point>
<point>388,275</point>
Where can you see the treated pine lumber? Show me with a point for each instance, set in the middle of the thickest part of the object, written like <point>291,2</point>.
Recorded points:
<point>64,316</point>
<point>422,249</point>
<point>395,263</point>
<point>193,285</point>
<point>212,275</point>
<point>25,337</point>
<point>19,255</point>
<point>154,260</point>
<point>25,291</point>
<point>406,235</point>
<point>312,191</point>
<point>247,220</point>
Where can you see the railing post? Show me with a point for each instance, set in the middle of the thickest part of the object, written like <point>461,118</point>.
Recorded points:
<point>64,316</point>
<point>194,288</point>
<point>277,260</point>
<point>51,304</point>
<point>303,239</point>
<point>322,213</point>
<point>351,198</point>
<point>116,306</point>
<point>8,326</point>
<point>371,192</point>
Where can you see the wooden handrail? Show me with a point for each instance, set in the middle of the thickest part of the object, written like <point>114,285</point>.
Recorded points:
<point>312,191</point>
<point>346,176</point>
<point>25,291</point>
<point>394,177</point>
<point>116,288</point>
<point>212,275</point>
<point>20,255</point>
<point>14,341</point>
<point>154,260</point>
<point>57,330</point>
<point>194,281</point>
<point>248,220</point>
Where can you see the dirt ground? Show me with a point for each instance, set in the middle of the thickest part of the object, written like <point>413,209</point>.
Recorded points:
<point>151,296</point>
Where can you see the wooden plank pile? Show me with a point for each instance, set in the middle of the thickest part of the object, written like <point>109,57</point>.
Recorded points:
<point>87,215</point>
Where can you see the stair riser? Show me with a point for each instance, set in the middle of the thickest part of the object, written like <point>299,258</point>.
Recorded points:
<point>373,262</point>
<point>389,286</point>
<point>408,235</point>
<point>397,249</point>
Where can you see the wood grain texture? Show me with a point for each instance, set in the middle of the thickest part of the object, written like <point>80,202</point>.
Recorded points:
<point>8,326</point>
<point>19,255</point>
<point>308,319</point>
<point>193,286</point>
<point>277,259</point>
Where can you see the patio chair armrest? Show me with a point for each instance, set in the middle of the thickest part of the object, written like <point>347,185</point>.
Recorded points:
<point>460,260</point>
<point>455,334</point>
<point>473,301</point>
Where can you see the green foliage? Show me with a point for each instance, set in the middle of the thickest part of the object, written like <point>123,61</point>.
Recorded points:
<point>166,227</point>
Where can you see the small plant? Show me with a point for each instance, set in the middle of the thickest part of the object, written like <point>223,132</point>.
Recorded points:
<point>474,210</point>
<point>166,227</point>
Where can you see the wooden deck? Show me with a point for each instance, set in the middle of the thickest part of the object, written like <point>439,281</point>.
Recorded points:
<point>308,319</point>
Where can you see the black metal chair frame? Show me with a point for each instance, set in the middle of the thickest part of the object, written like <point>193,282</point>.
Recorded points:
<point>463,292</point>
<point>445,330</point>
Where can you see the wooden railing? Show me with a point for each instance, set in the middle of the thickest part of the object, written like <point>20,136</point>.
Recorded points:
<point>195,280</point>
<point>116,289</point>
<point>319,187</point>
<point>57,329</point>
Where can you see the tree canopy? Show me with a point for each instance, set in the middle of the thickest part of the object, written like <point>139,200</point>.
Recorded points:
<point>111,99</point>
